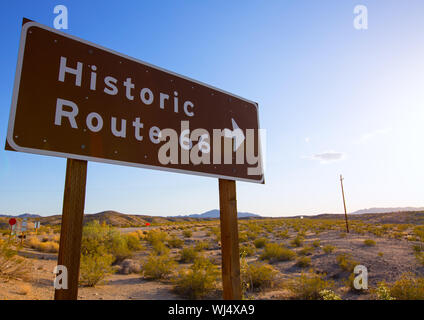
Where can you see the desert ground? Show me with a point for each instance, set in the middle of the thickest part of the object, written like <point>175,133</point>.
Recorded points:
<point>281,258</point>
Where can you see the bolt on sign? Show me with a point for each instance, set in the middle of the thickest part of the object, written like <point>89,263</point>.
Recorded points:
<point>78,100</point>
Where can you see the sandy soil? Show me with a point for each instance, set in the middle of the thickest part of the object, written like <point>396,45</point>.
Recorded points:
<point>387,260</point>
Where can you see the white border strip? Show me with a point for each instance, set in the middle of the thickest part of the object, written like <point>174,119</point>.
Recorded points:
<point>12,115</point>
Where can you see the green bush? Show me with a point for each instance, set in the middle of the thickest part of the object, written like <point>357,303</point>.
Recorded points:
<point>260,243</point>
<point>156,236</point>
<point>328,248</point>
<point>346,262</point>
<point>187,233</point>
<point>133,242</point>
<point>408,287</point>
<point>369,242</point>
<point>303,262</point>
<point>328,295</point>
<point>247,250</point>
<point>159,248</point>
<point>188,255</point>
<point>100,239</point>
<point>382,292</point>
<point>297,242</point>
<point>316,243</point>
<point>202,245</point>
<point>420,258</point>
<point>158,267</point>
<point>275,252</point>
<point>309,287</point>
<point>94,268</point>
<point>306,251</point>
<point>283,234</point>
<point>199,281</point>
<point>175,242</point>
<point>257,276</point>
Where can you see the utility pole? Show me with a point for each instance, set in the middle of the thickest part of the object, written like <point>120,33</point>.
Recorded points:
<point>344,204</point>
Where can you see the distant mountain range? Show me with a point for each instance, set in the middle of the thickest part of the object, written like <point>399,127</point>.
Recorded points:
<point>215,214</point>
<point>388,210</point>
<point>24,215</point>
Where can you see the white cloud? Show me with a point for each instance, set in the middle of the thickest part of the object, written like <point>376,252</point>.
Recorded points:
<point>327,157</point>
<point>307,139</point>
<point>372,135</point>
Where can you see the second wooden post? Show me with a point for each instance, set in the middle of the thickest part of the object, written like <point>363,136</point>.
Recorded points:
<point>229,240</point>
<point>71,228</point>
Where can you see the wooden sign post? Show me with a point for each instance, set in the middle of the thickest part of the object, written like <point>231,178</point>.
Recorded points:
<point>71,228</point>
<point>344,204</point>
<point>75,100</point>
<point>231,282</point>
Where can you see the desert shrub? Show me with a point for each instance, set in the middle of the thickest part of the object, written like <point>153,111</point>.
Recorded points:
<point>175,242</point>
<point>297,241</point>
<point>243,237</point>
<point>301,233</point>
<point>216,231</point>
<point>188,255</point>
<point>251,235</point>
<point>369,242</point>
<point>199,281</point>
<point>303,262</point>
<point>420,258</point>
<point>253,227</point>
<point>327,294</point>
<point>260,243</point>
<point>306,251</point>
<point>275,252</point>
<point>103,239</point>
<point>159,248</point>
<point>408,287</point>
<point>382,292</point>
<point>309,287</point>
<point>187,233</point>
<point>133,241</point>
<point>342,234</point>
<point>419,232</point>
<point>283,234</point>
<point>316,243</point>
<point>11,265</point>
<point>202,245</point>
<point>247,250</point>
<point>158,267</point>
<point>380,254</point>
<point>328,248</point>
<point>156,235</point>
<point>257,276</point>
<point>346,262</point>
<point>47,246</point>
<point>94,268</point>
<point>418,248</point>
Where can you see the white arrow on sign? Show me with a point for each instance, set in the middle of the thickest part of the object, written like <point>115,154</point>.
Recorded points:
<point>237,133</point>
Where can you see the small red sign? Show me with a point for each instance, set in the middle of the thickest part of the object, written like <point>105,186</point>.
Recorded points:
<point>147,224</point>
<point>12,221</point>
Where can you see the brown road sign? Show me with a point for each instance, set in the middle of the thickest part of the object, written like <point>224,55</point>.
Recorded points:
<point>78,100</point>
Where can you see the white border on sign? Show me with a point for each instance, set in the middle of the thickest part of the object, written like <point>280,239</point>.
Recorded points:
<point>12,143</point>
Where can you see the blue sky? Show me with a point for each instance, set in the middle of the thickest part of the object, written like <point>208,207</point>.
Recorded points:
<point>323,87</point>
